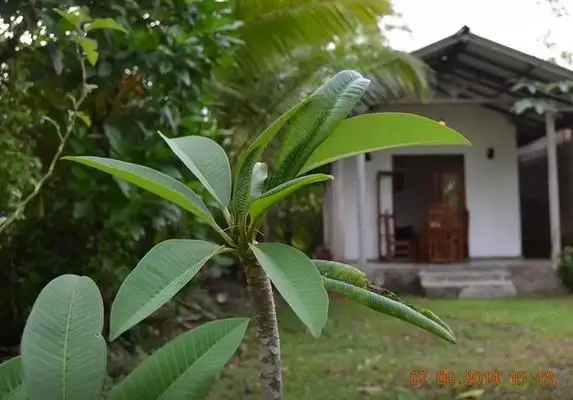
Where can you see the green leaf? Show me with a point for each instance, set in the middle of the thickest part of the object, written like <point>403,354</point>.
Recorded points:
<point>57,57</point>
<point>246,162</point>
<point>470,394</point>
<point>297,280</point>
<point>342,272</point>
<point>390,307</point>
<point>329,105</point>
<point>76,18</point>
<point>207,161</point>
<point>186,367</point>
<point>89,46</point>
<point>153,181</point>
<point>522,105</point>
<point>106,23</point>
<point>85,118</point>
<point>160,274</point>
<point>63,351</point>
<point>104,69</point>
<point>113,136</point>
<point>260,174</point>
<point>379,131</point>
<point>272,29</point>
<point>565,87</point>
<point>11,380</point>
<point>429,314</point>
<point>268,199</point>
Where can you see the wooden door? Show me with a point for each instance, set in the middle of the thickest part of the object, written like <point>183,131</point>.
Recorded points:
<point>451,192</point>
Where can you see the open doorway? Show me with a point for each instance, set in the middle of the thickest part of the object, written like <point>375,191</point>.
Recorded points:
<point>426,180</point>
<point>421,186</point>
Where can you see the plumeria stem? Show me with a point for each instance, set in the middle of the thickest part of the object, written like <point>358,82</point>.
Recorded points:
<point>261,294</point>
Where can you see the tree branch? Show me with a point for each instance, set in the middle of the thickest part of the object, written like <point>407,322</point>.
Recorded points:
<point>71,123</point>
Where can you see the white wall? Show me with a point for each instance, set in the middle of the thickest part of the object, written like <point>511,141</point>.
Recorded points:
<point>337,236</point>
<point>492,187</point>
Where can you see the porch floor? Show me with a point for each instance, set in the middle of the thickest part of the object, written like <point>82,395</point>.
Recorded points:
<point>472,278</point>
<point>493,263</point>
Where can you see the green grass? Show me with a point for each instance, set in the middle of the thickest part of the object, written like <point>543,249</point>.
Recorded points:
<point>363,354</point>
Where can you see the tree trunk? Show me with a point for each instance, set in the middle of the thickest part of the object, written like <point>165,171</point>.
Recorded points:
<point>261,294</point>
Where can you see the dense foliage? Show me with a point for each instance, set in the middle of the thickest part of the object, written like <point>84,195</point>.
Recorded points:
<point>150,78</point>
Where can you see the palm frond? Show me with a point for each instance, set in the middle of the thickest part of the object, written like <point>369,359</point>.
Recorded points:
<point>272,29</point>
<point>252,103</point>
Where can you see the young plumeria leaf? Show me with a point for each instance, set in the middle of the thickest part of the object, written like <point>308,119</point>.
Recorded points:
<point>328,106</point>
<point>159,276</point>
<point>274,196</point>
<point>243,170</point>
<point>297,280</point>
<point>207,161</point>
<point>380,131</point>
<point>260,174</point>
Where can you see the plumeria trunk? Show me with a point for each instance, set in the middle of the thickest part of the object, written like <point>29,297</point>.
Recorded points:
<point>261,294</point>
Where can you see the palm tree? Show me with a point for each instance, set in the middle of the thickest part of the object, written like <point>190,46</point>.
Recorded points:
<point>290,46</point>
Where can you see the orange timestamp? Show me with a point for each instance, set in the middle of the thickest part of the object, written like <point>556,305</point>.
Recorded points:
<point>444,377</point>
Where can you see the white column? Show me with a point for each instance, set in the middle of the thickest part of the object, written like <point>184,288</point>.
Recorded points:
<point>360,205</point>
<point>553,186</point>
<point>339,216</point>
<point>327,216</point>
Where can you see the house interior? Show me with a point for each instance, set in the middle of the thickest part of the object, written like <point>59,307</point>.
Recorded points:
<point>429,219</point>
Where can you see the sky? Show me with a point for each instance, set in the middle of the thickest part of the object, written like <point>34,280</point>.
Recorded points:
<point>520,24</point>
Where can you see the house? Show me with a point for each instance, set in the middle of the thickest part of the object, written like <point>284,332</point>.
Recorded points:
<point>472,94</point>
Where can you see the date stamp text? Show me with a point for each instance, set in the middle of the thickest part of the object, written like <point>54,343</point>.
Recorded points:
<point>445,377</point>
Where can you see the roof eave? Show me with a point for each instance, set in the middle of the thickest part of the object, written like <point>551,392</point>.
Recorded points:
<point>465,36</point>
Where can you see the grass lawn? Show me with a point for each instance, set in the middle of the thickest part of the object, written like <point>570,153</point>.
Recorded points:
<point>363,354</point>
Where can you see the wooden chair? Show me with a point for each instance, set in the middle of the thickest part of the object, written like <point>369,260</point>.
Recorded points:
<point>395,246</point>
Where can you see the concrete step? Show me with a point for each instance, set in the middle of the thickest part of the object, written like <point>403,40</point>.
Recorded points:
<point>467,284</point>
